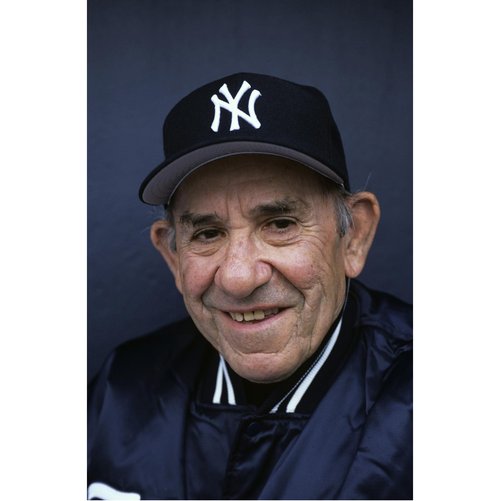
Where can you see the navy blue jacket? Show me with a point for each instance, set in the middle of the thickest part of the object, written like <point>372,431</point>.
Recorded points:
<point>154,429</point>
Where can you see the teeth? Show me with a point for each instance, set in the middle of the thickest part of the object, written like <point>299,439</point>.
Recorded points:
<point>248,316</point>
<point>259,315</point>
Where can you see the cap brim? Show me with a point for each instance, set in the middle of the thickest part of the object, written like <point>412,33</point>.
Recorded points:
<point>159,187</point>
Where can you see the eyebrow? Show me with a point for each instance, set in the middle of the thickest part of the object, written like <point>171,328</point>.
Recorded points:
<point>281,207</point>
<point>274,208</point>
<point>194,220</point>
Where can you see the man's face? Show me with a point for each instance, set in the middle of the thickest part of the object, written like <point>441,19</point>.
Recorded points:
<point>259,262</point>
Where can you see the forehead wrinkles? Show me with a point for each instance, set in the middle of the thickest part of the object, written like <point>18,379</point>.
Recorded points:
<point>244,182</point>
<point>208,190</point>
<point>284,206</point>
<point>266,199</point>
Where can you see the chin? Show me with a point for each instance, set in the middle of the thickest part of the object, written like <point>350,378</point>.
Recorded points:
<point>262,369</point>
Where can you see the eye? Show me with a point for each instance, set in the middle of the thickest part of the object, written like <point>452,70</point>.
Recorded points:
<point>280,226</point>
<point>207,235</point>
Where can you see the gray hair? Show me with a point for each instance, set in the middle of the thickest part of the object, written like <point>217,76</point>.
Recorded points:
<point>340,199</point>
<point>343,211</point>
<point>170,236</point>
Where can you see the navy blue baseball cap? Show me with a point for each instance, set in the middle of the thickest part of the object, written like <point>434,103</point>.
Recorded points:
<point>246,113</point>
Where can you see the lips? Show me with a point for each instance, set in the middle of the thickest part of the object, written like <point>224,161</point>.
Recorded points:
<point>251,316</point>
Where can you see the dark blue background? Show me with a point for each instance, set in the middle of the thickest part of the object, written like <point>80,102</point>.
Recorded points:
<point>144,55</point>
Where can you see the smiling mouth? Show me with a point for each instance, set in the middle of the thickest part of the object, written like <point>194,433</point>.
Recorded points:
<point>252,316</point>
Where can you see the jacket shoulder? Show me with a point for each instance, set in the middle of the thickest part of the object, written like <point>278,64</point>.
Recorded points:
<point>148,358</point>
<point>384,312</point>
<point>165,342</point>
<point>385,324</point>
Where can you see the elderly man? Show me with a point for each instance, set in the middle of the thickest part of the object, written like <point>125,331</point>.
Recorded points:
<point>289,380</point>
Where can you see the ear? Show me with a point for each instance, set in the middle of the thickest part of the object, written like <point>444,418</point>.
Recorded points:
<point>160,238</point>
<point>358,240</point>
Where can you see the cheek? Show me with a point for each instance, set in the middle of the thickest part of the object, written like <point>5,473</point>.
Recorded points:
<point>196,277</point>
<point>303,273</point>
<point>309,266</point>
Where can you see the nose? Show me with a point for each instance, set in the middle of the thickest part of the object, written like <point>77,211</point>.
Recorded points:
<point>242,269</point>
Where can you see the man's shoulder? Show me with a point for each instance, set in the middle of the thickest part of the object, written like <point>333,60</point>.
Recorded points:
<point>385,324</point>
<point>153,354</point>
<point>381,359</point>
<point>175,336</point>
<point>384,312</point>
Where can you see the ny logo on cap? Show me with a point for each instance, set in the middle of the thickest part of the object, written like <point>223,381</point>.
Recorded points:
<point>232,105</point>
